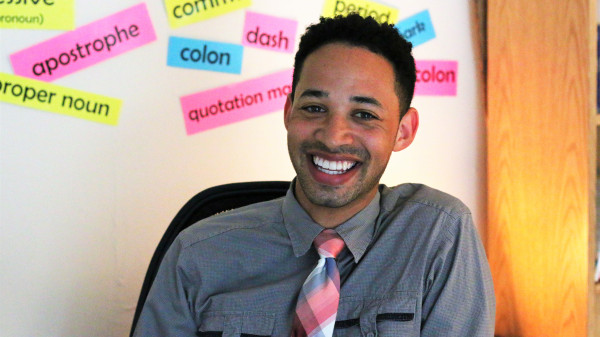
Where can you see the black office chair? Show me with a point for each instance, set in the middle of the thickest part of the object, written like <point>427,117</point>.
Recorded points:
<point>204,204</point>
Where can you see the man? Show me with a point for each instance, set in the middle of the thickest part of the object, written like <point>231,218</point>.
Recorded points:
<point>402,261</point>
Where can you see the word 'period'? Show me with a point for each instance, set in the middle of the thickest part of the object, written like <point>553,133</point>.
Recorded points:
<point>364,8</point>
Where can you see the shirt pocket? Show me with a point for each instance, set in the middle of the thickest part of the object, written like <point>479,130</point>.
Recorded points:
<point>236,324</point>
<point>397,317</point>
<point>385,316</point>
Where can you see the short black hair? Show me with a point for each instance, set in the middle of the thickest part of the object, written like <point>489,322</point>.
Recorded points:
<point>382,39</point>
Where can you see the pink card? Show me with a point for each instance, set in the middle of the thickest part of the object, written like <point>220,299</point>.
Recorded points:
<point>85,46</point>
<point>436,78</point>
<point>233,103</point>
<point>269,32</point>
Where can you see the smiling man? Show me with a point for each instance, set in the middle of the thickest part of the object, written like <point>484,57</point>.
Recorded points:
<point>340,254</point>
<point>343,124</point>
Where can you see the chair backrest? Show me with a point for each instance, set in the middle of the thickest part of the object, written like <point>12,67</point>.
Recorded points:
<point>204,204</point>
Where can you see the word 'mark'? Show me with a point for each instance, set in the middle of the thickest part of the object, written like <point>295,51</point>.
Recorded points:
<point>269,32</point>
<point>205,55</point>
<point>85,46</point>
<point>37,14</point>
<point>417,29</point>
<point>233,103</point>
<point>49,97</point>
<point>184,12</point>
<point>381,13</point>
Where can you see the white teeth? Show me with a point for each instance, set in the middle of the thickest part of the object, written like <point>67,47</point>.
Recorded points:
<point>333,167</point>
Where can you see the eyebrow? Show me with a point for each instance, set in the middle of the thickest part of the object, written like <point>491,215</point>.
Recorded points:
<point>314,93</point>
<point>357,99</point>
<point>366,100</point>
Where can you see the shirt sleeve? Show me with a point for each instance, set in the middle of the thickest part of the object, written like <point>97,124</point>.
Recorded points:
<point>459,296</point>
<point>167,311</point>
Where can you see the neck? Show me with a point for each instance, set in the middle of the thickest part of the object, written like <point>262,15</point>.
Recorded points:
<point>331,217</point>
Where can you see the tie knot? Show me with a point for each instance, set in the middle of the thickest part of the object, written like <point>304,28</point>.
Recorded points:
<point>329,243</point>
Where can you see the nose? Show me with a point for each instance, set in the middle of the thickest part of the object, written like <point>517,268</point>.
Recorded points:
<point>335,131</point>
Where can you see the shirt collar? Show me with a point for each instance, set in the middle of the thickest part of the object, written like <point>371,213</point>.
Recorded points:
<point>357,231</point>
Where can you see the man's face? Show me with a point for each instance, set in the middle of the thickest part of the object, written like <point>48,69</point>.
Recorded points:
<point>342,125</point>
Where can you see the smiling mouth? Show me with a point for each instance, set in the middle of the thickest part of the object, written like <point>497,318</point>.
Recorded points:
<point>333,166</point>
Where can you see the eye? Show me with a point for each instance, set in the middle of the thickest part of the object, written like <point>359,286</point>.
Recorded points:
<point>313,108</point>
<point>365,115</point>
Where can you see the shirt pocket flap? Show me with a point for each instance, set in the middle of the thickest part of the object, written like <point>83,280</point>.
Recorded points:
<point>236,324</point>
<point>397,316</point>
<point>377,316</point>
<point>401,307</point>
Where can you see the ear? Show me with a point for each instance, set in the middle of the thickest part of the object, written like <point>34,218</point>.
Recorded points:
<point>287,110</point>
<point>407,130</point>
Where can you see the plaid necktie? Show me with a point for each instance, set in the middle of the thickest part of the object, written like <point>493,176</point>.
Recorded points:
<point>320,295</point>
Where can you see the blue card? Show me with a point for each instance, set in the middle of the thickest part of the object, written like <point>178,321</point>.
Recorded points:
<point>417,29</point>
<point>205,55</point>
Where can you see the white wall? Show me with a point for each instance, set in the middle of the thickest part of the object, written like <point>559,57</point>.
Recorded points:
<point>83,205</point>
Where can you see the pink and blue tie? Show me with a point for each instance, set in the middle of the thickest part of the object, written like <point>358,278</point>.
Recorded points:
<point>320,295</point>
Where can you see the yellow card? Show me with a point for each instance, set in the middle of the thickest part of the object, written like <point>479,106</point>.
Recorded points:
<point>37,14</point>
<point>50,97</point>
<point>184,12</point>
<point>364,8</point>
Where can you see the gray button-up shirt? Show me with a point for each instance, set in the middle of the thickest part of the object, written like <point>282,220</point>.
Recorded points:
<point>413,266</point>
